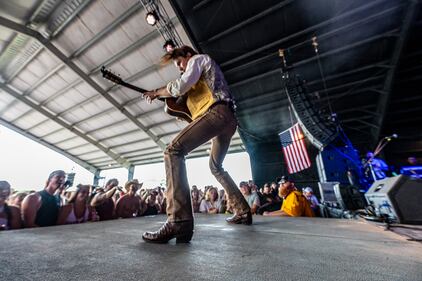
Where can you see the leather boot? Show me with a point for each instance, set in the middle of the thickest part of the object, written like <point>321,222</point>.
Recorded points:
<point>182,231</point>
<point>245,218</point>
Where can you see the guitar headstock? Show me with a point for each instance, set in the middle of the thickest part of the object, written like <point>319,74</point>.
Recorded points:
<point>107,74</point>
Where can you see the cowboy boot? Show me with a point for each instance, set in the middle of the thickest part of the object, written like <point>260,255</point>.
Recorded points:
<point>182,231</point>
<point>245,218</point>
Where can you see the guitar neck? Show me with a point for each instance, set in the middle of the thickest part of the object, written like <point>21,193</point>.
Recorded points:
<point>133,87</point>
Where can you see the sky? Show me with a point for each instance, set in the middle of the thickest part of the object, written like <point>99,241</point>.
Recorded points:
<point>26,164</point>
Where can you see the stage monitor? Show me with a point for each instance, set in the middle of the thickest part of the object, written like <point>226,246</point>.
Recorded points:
<point>328,193</point>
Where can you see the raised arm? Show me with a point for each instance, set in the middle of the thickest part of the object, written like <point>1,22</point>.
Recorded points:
<point>30,207</point>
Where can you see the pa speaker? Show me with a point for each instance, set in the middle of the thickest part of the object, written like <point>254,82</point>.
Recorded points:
<point>319,131</point>
<point>399,198</point>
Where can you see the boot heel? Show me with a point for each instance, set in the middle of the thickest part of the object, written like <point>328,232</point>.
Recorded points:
<point>184,238</point>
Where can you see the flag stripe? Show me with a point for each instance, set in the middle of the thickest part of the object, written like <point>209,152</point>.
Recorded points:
<point>298,137</point>
<point>294,149</point>
<point>292,158</point>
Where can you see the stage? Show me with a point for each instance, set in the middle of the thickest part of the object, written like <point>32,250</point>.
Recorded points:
<point>270,249</point>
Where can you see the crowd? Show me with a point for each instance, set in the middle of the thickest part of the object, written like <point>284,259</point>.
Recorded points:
<point>55,205</point>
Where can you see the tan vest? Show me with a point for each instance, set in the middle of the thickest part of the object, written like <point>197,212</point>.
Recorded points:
<point>199,99</point>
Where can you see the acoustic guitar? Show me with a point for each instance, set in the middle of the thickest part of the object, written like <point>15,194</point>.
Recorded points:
<point>173,106</point>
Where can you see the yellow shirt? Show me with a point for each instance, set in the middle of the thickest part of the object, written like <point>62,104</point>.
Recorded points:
<point>296,205</point>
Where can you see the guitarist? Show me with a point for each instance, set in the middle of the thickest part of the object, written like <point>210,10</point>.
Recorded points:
<point>212,109</point>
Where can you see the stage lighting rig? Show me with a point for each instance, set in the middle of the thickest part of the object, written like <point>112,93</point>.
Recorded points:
<point>152,18</point>
<point>157,16</point>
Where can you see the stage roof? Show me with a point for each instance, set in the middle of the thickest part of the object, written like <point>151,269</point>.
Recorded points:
<point>51,89</point>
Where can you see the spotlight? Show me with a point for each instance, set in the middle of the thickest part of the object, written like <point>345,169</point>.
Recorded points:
<point>151,18</point>
<point>169,46</point>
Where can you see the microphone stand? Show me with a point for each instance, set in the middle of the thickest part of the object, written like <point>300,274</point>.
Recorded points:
<point>381,144</point>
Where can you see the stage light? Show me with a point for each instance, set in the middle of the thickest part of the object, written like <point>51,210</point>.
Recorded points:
<point>152,18</point>
<point>169,46</point>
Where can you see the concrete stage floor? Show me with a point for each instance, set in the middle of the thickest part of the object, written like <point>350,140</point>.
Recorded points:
<point>270,249</point>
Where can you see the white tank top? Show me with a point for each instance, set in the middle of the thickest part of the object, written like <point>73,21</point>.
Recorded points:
<point>72,218</point>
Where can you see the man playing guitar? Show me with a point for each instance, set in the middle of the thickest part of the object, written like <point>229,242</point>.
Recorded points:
<point>211,108</point>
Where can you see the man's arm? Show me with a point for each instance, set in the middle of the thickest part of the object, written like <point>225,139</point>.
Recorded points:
<point>256,204</point>
<point>16,221</point>
<point>30,206</point>
<point>102,197</point>
<point>278,213</point>
<point>63,214</point>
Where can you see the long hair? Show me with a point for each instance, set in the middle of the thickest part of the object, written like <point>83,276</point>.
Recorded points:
<point>208,194</point>
<point>183,51</point>
<point>74,195</point>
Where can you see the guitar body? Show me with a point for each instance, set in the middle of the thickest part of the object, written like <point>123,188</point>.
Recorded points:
<point>173,106</point>
<point>177,107</point>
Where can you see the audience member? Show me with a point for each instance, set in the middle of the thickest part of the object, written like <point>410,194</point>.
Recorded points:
<point>269,202</point>
<point>151,207</point>
<point>223,201</point>
<point>78,209</point>
<point>161,199</point>
<point>196,199</point>
<point>312,199</point>
<point>42,208</point>
<point>251,198</point>
<point>103,201</point>
<point>210,204</point>
<point>129,205</point>
<point>16,199</point>
<point>9,215</point>
<point>294,203</point>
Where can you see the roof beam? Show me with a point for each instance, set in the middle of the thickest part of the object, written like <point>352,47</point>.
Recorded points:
<point>194,154</point>
<point>123,17</point>
<point>313,28</point>
<point>148,37</point>
<point>25,30</point>
<point>75,159</point>
<point>246,22</point>
<point>383,101</point>
<point>62,123</point>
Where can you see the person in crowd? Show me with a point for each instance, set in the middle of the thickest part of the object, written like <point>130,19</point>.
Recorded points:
<point>161,199</point>
<point>210,204</point>
<point>223,204</point>
<point>269,202</point>
<point>412,161</point>
<point>379,167</point>
<point>129,205</point>
<point>274,189</point>
<point>251,198</point>
<point>9,215</point>
<point>103,201</point>
<point>413,168</point>
<point>212,110</point>
<point>151,206</point>
<point>294,203</point>
<point>312,199</point>
<point>16,199</point>
<point>196,199</point>
<point>78,209</point>
<point>42,208</point>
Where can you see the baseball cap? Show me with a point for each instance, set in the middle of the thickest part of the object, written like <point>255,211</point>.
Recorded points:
<point>4,184</point>
<point>307,189</point>
<point>56,173</point>
<point>283,179</point>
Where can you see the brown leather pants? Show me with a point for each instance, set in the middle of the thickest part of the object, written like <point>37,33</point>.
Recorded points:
<point>218,124</point>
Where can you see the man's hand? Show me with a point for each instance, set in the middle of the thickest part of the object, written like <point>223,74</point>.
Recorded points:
<point>150,96</point>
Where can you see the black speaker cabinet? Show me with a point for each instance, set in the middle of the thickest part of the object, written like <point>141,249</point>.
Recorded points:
<point>399,198</point>
<point>339,196</point>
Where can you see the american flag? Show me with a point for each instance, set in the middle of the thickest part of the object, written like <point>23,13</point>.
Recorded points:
<point>294,149</point>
